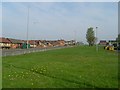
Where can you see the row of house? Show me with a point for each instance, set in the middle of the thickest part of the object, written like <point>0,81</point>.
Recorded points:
<point>15,43</point>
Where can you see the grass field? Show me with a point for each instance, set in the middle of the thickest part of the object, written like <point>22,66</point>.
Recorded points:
<point>76,67</point>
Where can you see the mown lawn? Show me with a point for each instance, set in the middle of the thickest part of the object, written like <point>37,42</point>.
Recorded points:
<point>76,67</point>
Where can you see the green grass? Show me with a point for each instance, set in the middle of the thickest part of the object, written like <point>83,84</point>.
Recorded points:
<point>76,67</point>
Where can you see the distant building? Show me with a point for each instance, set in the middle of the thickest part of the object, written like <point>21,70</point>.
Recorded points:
<point>71,42</point>
<point>61,42</point>
<point>58,43</point>
<point>5,43</point>
<point>15,43</point>
<point>33,43</point>
<point>103,42</point>
<point>53,43</point>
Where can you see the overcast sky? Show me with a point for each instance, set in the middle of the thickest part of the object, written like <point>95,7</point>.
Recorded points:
<point>59,20</point>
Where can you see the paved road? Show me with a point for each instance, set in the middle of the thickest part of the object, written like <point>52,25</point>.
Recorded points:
<point>12,52</point>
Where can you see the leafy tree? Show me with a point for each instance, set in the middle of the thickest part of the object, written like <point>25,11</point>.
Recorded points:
<point>90,36</point>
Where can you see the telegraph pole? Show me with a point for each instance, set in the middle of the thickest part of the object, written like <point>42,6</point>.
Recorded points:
<point>27,27</point>
<point>75,36</point>
<point>96,40</point>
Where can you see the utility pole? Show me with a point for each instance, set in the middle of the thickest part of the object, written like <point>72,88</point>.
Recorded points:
<point>75,36</point>
<point>27,27</point>
<point>96,40</point>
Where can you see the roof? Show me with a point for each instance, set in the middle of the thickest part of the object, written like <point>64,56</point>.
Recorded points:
<point>4,40</point>
<point>103,41</point>
<point>32,42</point>
<point>15,41</point>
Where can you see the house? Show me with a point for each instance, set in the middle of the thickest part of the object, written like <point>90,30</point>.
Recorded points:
<point>61,42</point>
<point>15,43</point>
<point>55,43</point>
<point>4,43</point>
<point>103,42</point>
<point>40,43</point>
<point>32,43</point>
<point>71,42</point>
<point>48,43</point>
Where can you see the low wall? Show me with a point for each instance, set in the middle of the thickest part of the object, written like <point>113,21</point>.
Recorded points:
<point>13,52</point>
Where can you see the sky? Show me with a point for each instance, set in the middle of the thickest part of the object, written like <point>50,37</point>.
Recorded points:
<point>59,20</point>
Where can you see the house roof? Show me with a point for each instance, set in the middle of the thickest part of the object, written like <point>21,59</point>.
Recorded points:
<point>32,42</point>
<point>102,41</point>
<point>15,41</point>
<point>4,40</point>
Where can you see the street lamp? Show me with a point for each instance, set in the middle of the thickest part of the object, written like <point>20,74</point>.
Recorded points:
<point>27,27</point>
<point>96,40</point>
<point>75,35</point>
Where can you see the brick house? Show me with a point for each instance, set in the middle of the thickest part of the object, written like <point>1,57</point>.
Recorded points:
<point>71,42</point>
<point>47,43</point>
<point>5,43</point>
<point>33,43</point>
<point>103,42</point>
<point>41,43</point>
<point>61,42</point>
<point>15,43</point>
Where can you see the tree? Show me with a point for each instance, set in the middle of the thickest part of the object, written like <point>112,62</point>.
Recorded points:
<point>90,36</point>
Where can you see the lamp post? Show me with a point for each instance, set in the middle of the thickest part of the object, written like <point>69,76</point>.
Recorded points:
<point>27,27</point>
<point>96,40</point>
<point>75,36</point>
